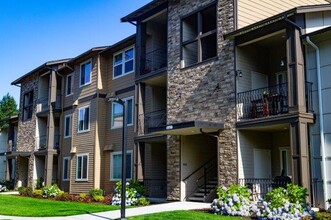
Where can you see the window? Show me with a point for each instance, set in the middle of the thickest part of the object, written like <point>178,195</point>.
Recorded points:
<point>116,165</point>
<point>117,113</point>
<point>27,105</point>
<point>199,41</point>
<point>123,63</point>
<point>69,85</point>
<point>84,119</point>
<point>81,167</point>
<point>85,73</point>
<point>66,168</point>
<point>67,126</point>
<point>285,161</point>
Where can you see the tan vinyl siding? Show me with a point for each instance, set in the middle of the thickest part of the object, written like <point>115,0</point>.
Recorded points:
<point>251,11</point>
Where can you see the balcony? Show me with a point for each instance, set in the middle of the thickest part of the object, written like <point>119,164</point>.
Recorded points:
<point>11,147</point>
<point>151,120</point>
<point>43,103</point>
<point>153,61</point>
<point>267,101</point>
<point>41,142</point>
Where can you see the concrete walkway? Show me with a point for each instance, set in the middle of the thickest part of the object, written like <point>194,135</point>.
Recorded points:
<point>171,206</point>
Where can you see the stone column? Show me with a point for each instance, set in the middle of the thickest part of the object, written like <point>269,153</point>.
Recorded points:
<point>300,155</point>
<point>173,168</point>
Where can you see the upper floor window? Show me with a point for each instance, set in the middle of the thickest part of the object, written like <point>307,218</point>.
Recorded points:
<point>85,73</point>
<point>67,126</point>
<point>27,105</point>
<point>117,113</point>
<point>84,119</point>
<point>69,85</point>
<point>199,41</point>
<point>123,62</point>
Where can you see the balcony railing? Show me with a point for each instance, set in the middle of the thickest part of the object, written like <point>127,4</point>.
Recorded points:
<point>259,187</point>
<point>153,61</point>
<point>152,120</point>
<point>42,142</point>
<point>42,103</point>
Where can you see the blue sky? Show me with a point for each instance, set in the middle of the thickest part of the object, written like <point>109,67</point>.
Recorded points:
<point>36,31</point>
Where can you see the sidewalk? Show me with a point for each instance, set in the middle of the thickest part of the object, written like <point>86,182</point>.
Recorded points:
<point>171,206</point>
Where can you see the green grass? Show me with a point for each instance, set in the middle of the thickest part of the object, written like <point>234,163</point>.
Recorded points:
<point>184,215</point>
<point>25,206</point>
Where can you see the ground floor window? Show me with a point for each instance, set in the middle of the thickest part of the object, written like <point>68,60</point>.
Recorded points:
<point>82,167</point>
<point>116,165</point>
<point>66,168</point>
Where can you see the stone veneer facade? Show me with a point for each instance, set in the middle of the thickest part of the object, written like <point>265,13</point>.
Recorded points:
<point>205,91</point>
<point>27,130</point>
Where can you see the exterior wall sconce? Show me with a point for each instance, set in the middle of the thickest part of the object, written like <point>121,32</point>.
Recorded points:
<point>239,73</point>
<point>282,61</point>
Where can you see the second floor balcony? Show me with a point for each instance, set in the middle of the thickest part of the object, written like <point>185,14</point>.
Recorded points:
<point>151,120</point>
<point>268,101</point>
<point>43,104</point>
<point>41,142</point>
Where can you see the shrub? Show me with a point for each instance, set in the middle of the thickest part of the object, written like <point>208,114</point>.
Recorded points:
<point>83,197</point>
<point>6,185</point>
<point>134,191</point>
<point>25,191</point>
<point>143,201</point>
<point>51,191</point>
<point>63,196</point>
<point>99,198</point>
<point>21,190</point>
<point>96,194</point>
<point>38,193</point>
<point>107,199</point>
<point>3,188</point>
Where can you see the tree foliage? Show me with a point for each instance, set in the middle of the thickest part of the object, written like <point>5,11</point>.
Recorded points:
<point>8,107</point>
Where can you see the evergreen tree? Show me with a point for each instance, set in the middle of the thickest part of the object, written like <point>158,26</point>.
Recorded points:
<point>8,107</point>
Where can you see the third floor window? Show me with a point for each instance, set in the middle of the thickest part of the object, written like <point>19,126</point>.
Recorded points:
<point>123,63</point>
<point>199,41</point>
<point>69,85</point>
<point>85,73</point>
<point>27,105</point>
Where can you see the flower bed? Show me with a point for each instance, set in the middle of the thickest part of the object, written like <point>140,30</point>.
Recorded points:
<point>281,203</point>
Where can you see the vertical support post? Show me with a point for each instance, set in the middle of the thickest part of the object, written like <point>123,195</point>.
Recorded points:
<point>124,139</point>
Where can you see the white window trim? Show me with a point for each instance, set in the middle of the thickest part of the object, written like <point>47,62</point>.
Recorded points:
<point>111,164</point>
<point>87,166</point>
<point>65,126</point>
<point>72,83</point>
<point>123,66</point>
<point>80,73</point>
<point>89,117</point>
<point>64,159</point>
<point>112,108</point>
<point>288,153</point>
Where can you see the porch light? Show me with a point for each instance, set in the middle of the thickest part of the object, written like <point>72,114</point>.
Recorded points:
<point>282,62</point>
<point>124,104</point>
<point>239,73</point>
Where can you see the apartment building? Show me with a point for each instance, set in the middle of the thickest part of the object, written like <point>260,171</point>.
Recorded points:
<point>187,93</point>
<point>38,132</point>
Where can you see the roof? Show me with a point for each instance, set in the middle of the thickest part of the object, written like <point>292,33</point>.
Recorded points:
<point>145,10</point>
<point>86,53</point>
<point>318,32</point>
<point>278,17</point>
<point>130,39</point>
<point>39,68</point>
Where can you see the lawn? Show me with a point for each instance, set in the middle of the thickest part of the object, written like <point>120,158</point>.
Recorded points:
<point>184,215</point>
<point>32,207</point>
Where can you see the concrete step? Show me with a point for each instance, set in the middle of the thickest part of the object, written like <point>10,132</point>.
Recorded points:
<point>196,199</point>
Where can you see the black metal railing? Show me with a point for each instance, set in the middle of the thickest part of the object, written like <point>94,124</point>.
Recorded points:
<point>43,103</point>
<point>153,119</point>
<point>262,102</point>
<point>258,187</point>
<point>153,61</point>
<point>156,188</point>
<point>42,142</point>
<point>309,97</point>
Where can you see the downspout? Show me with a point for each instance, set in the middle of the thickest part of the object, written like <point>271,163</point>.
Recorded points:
<point>321,121</point>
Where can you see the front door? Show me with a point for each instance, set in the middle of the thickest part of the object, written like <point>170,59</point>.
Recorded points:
<point>262,164</point>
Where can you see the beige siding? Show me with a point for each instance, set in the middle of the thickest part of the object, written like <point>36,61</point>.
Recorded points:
<point>251,11</point>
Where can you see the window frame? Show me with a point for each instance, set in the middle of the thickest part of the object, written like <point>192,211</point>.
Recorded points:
<point>111,176</point>
<point>200,35</point>
<point>287,151</point>
<point>68,169</point>
<point>124,61</point>
<point>78,119</point>
<point>87,166</point>
<point>27,107</point>
<point>80,73</point>
<point>71,85</point>
<point>65,126</point>
<point>112,113</point>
